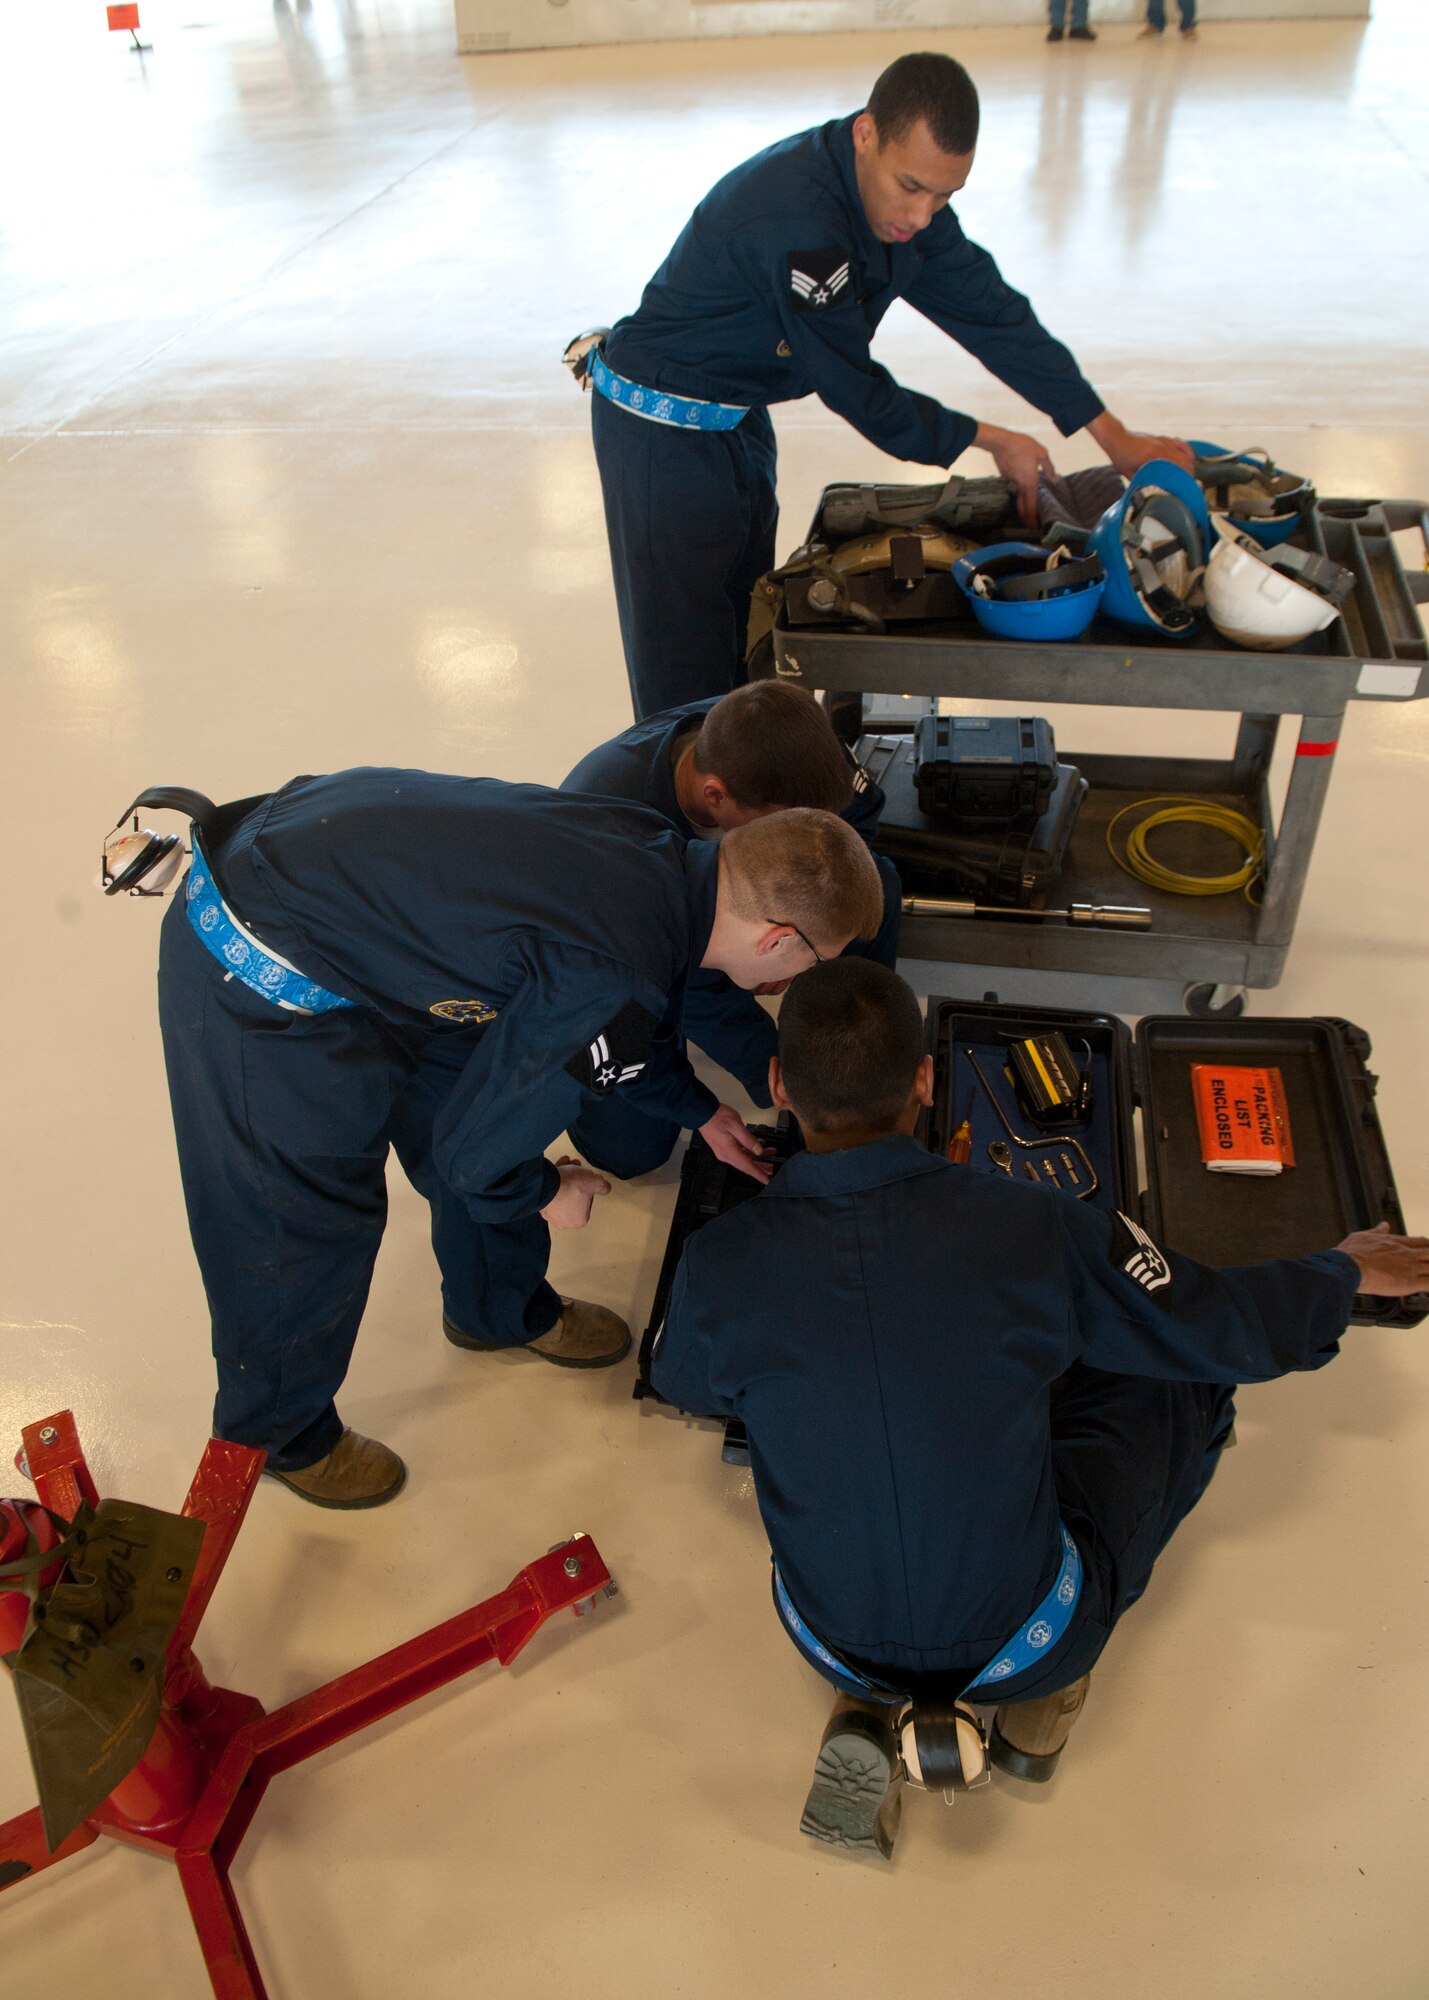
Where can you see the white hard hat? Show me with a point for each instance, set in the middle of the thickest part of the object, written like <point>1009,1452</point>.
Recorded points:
<point>1269,599</point>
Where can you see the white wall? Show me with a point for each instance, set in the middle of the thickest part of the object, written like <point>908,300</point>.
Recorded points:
<point>489,26</point>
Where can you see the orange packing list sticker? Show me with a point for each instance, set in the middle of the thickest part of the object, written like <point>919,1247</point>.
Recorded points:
<point>1242,1119</point>
<point>122,17</point>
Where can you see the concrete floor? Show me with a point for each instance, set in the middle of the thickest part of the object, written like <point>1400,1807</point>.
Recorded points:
<point>290,479</point>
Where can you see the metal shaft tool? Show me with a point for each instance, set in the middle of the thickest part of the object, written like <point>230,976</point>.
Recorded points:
<point>1000,1153</point>
<point>1106,916</point>
<point>1036,1145</point>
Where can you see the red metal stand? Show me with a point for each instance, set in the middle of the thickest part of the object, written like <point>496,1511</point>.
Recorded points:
<point>193,1793</point>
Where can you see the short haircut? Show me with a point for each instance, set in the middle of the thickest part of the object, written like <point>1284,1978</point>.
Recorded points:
<point>770,744</point>
<point>850,1041</point>
<point>804,868</point>
<point>932,88</point>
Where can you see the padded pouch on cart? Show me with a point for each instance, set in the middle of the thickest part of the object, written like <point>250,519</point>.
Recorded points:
<point>1341,1180</point>
<point>936,855</point>
<point>966,506</point>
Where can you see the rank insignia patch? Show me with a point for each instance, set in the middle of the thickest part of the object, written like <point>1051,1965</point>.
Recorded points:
<point>472,1012</point>
<point>818,278</point>
<point>1133,1252</point>
<point>617,1054</point>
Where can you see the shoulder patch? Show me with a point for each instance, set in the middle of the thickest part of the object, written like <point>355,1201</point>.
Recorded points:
<point>617,1054</point>
<point>1134,1253</point>
<point>819,279</point>
<point>473,1011</point>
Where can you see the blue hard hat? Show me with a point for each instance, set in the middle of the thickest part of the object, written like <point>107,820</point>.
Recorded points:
<point>1285,492</point>
<point>1153,543</point>
<point>1020,592</point>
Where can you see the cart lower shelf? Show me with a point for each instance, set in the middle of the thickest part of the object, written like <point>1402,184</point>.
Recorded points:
<point>1216,939</point>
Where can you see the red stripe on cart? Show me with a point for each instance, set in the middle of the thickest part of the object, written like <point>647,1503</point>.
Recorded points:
<point>1317,749</point>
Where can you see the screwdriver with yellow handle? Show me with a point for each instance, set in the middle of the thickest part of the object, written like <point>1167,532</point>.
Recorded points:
<point>960,1146</point>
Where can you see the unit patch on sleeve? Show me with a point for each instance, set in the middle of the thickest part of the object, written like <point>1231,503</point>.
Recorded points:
<point>617,1054</point>
<point>473,1011</point>
<point>818,278</point>
<point>1133,1252</point>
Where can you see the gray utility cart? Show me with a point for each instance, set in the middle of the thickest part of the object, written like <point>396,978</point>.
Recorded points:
<point>1220,944</point>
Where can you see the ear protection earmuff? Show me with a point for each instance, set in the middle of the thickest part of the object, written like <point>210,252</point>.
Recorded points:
<point>944,1750</point>
<point>140,862</point>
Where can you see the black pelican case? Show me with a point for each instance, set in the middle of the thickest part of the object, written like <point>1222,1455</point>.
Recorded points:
<point>1341,1181</point>
<point>936,855</point>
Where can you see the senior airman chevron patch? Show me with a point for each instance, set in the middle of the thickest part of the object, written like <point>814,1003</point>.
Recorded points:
<point>817,278</point>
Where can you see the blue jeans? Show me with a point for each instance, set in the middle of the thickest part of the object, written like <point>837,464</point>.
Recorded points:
<point>1156,13</point>
<point>1057,13</point>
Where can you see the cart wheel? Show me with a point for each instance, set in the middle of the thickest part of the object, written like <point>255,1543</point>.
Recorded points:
<point>1214,1003</point>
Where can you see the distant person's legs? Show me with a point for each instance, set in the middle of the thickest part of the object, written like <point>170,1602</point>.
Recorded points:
<point>1057,20</point>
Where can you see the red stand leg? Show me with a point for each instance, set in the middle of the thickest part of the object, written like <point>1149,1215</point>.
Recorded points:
<point>193,1794</point>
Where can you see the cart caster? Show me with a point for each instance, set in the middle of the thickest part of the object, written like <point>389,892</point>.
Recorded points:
<point>1208,1002</point>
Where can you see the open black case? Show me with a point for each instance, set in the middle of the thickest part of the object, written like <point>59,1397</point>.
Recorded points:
<point>1141,1091</point>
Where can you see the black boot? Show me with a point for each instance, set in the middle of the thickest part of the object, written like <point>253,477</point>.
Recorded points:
<point>856,1799</point>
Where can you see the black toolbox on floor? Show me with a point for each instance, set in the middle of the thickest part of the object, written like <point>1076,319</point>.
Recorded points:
<point>1341,1181</point>
<point>707,1188</point>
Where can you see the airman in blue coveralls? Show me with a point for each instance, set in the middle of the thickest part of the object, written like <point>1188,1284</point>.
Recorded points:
<point>709,766</point>
<point>977,1409</point>
<point>452,966</point>
<point>774,291</point>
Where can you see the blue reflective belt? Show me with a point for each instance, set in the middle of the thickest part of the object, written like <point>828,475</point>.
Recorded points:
<point>685,413</point>
<point>1046,1625</point>
<point>240,954</point>
<point>1042,1630</point>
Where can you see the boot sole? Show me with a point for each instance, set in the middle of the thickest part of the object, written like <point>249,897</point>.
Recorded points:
<point>852,1779</point>
<point>342,1506</point>
<point>473,1345</point>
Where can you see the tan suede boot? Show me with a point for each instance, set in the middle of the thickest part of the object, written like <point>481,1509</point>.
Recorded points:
<point>357,1472</point>
<point>856,1799</point>
<point>585,1336</point>
<point>1028,1736</point>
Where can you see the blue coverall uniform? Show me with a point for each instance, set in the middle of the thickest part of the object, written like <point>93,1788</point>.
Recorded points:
<point>512,953</point>
<point>618,1134</point>
<point>934,1364</point>
<point>773,291</point>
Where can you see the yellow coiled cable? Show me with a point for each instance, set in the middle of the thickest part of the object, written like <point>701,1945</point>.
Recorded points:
<point>1139,861</point>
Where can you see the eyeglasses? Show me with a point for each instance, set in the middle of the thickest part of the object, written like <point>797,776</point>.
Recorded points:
<point>785,925</point>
